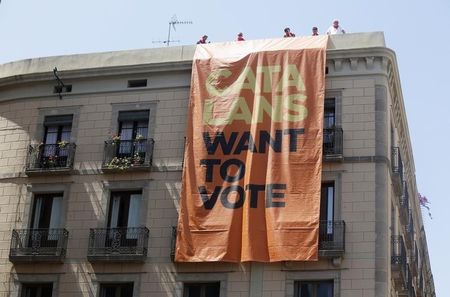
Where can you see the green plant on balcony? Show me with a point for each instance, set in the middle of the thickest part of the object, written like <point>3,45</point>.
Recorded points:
<point>50,161</point>
<point>139,138</point>
<point>63,144</point>
<point>119,163</point>
<point>138,159</point>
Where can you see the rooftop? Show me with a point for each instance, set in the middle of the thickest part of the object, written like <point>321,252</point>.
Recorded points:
<point>180,54</point>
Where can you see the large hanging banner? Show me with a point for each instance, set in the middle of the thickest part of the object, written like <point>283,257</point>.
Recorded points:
<point>253,160</point>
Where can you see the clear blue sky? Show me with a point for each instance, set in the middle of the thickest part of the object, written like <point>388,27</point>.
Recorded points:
<point>415,30</point>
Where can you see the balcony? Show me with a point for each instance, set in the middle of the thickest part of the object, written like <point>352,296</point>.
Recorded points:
<point>415,260</point>
<point>420,288</point>
<point>118,244</point>
<point>409,231</point>
<point>46,159</point>
<point>409,284</point>
<point>404,205</point>
<point>331,239</point>
<point>398,262</point>
<point>125,155</point>
<point>397,170</point>
<point>38,245</point>
<point>333,144</point>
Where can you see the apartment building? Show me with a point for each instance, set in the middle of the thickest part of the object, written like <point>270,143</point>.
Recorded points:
<point>91,160</point>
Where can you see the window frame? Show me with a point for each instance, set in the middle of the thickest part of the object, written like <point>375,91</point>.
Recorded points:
<point>202,277</point>
<point>27,278</point>
<point>334,177</point>
<point>26,284</point>
<point>335,94</point>
<point>43,189</point>
<point>304,276</point>
<point>118,286</point>
<point>123,194</point>
<point>134,106</point>
<point>202,287</point>
<point>297,287</point>
<point>125,186</point>
<point>115,278</point>
<point>39,133</point>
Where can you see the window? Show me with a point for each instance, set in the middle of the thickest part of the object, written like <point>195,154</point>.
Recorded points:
<point>314,289</point>
<point>327,204</point>
<point>116,290</point>
<point>37,290</point>
<point>133,131</point>
<point>202,289</point>
<point>329,114</point>
<point>46,213</point>
<point>137,83</point>
<point>329,126</point>
<point>326,233</point>
<point>124,209</point>
<point>45,220</point>
<point>57,131</point>
<point>123,218</point>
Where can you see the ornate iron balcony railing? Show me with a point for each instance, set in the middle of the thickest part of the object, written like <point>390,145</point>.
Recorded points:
<point>331,238</point>
<point>409,234</point>
<point>118,244</point>
<point>333,143</point>
<point>128,154</point>
<point>47,245</point>
<point>404,204</point>
<point>50,157</point>
<point>397,169</point>
<point>399,260</point>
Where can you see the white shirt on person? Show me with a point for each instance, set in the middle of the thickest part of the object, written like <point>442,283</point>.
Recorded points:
<point>332,30</point>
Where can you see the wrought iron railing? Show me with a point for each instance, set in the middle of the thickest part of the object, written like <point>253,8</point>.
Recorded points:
<point>118,244</point>
<point>397,169</point>
<point>409,235</point>
<point>38,245</point>
<point>44,157</point>
<point>399,261</point>
<point>173,243</point>
<point>404,204</point>
<point>398,252</point>
<point>126,154</point>
<point>409,283</point>
<point>333,142</point>
<point>332,236</point>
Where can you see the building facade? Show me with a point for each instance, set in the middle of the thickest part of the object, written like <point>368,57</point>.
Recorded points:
<point>91,163</point>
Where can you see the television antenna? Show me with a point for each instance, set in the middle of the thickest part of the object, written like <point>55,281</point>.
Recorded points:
<point>173,21</point>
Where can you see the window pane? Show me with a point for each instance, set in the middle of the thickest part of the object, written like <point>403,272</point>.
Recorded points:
<point>126,290</point>
<point>202,290</point>
<point>192,290</point>
<point>212,290</point>
<point>329,114</point>
<point>37,290</point>
<point>306,290</point>
<point>314,289</point>
<point>116,290</point>
<point>325,289</point>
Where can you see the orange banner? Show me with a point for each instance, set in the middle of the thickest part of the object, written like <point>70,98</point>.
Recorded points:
<point>253,160</point>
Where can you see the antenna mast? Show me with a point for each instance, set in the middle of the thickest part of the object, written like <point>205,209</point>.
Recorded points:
<point>174,21</point>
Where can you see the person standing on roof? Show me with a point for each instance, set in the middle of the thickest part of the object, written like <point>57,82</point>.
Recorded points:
<point>315,31</point>
<point>288,33</point>
<point>335,28</point>
<point>240,37</point>
<point>202,39</point>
